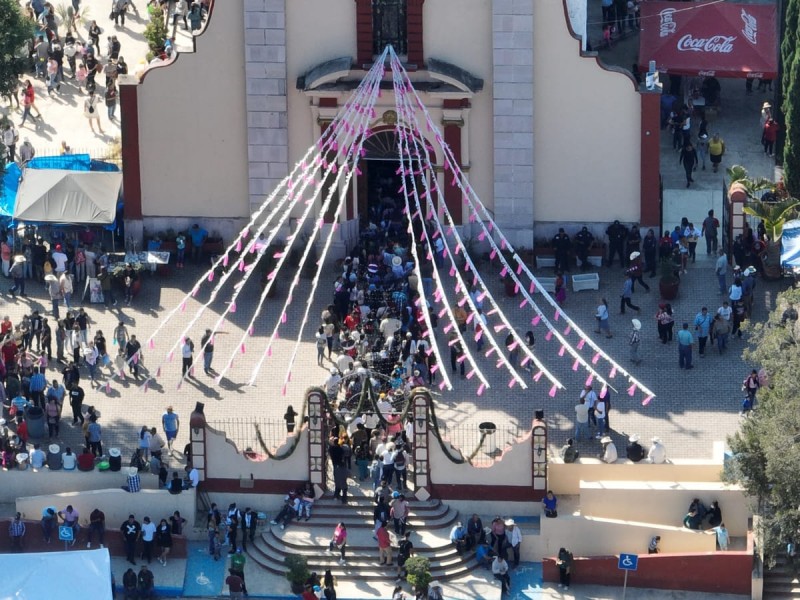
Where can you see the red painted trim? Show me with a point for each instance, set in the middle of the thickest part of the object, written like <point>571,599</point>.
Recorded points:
<point>328,102</point>
<point>452,193</point>
<point>363,32</point>
<point>456,103</point>
<point>650,159</point>
<point>260,486</point>
<point>509,493</point>
<point>414,23</point>
<point>711,572</point>
<point>131,173</point>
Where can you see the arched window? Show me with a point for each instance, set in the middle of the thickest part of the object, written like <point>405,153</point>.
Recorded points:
<point>389,25</point>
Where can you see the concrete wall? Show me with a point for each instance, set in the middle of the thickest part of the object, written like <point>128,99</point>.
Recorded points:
<point>117,504</point>
<point>664,503</point>
<point>512,468</point>
<point>594,536</point>
<point>14,484</point>
<point>566,479</point>
<point>224,460</point>
<point>718,572</point>
<point>587,130</point>
<point>193,133</point>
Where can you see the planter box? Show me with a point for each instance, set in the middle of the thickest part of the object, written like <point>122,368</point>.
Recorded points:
<point>548,283</point>
<point>545,261</point>
<point>596,261</point>
<point>585,281</point>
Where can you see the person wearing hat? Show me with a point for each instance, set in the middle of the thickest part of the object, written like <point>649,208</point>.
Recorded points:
<point>17,273</point>
<point>748,287</point>
<point>635,340</point>
<point>657,453</point>
<point>634,450</point>
<point>514,535</point>
<point>685,341</point>
<point>636,270</point>
<point>609,450</point>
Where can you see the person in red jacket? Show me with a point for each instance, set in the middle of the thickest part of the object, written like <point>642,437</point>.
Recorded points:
<point>770,134</point>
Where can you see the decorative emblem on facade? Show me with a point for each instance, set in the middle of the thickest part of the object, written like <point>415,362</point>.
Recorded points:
<point>389,117</point>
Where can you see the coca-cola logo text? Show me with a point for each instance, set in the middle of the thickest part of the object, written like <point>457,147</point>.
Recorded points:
<point>721,44</point>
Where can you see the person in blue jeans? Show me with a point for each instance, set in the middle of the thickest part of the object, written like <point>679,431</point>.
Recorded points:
<point>582,420</point>
<point>685,341</point>
<point>171,424</point>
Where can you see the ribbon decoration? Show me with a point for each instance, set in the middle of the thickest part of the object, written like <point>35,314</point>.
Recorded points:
<point>468,195</point>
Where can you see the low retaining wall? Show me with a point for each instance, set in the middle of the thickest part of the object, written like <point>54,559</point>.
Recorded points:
<point>33,541</point>
<point>14,484</point>
<point>117,504</point>
<point>716,572</point>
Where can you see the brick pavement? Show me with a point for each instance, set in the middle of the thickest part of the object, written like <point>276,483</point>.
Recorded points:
<point>692,409</point>
<point>63,112</point>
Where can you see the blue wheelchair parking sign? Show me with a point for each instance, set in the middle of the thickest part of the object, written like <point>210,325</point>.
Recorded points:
<point>65,533</point>
<point>628,562</point>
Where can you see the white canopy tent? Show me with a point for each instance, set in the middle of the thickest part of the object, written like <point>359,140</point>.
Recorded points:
<point>82,575</point>
<point>59,196</point>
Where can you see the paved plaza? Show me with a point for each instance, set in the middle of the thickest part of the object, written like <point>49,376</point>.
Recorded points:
<point>691,409</point>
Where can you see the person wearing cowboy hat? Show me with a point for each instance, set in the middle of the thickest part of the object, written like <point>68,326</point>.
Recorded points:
<point>657,454</point>
<point>609,450</point>
<point>17,272</point>
<point>636,270</point>
<point>514,538</point>
<point>635,340</point>
<point>634,450</point>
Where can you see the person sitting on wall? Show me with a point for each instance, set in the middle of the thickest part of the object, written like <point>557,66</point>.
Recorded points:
<point>549,505</point>
<point>609,450</point>
<point>657,453</point>
<point>714,514</point>
<point>692,520</point>
<point>634,451</point>
<point>568,452</point>
<point>653,547</point>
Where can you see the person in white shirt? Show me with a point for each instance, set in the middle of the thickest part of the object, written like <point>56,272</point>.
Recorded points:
<point>37,457</point>
<point>388,327</point>
<point>582,419</point>
<point>148,539</point>
<point>69,460</point>
<point>725,311</point>
<point>600,413</point>
<point>590,396</point>
<point>721,270</point>
<point>657,453</point>
<point>194,476</point>
<point>60,259</point>
<point>609,450</point>
<point>514,539</point>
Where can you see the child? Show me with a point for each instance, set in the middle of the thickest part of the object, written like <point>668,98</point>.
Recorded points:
<point>120,362</point>
<point>607,36</point>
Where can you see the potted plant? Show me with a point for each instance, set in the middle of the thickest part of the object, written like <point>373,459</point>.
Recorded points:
<point>774,209</point>
<point>669,282</point>
<point>168,243</point>
<point>296,571</point>
<point>418,569</point>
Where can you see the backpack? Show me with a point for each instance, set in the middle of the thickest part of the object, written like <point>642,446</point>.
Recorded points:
<point>399,459</point>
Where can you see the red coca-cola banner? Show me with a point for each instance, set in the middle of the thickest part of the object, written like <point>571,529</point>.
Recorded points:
<point>716,39</point>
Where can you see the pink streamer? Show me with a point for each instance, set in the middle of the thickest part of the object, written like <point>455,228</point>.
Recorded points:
<point>461,358</point>
<point>531,288</point>
<point>549,336</point>
<point>503,272</point>
<point>283,390</point>
<point>434,368</point>
<point>283,318</point>
<point>471,374</point>
<point>242,348</point>
<point>632,390</point>
<point>561,351</point>
<point>516,288</point>
<point>250,331</point>
<point>269,351</point>
<point>492,254</point>
<point>170,356</point>
<point>647,401</point>
<point>481,388</point>
<point>183,306</point>
<point>576,364</point>
<point>589,380</point>
<point>151,343</point>
<point>108,387</point>
<point>211,276</point>
<point>558,313</point>
<point>535,320</point>
<point>232,307</point>
<point>538,376</point>
<point>489,352</point>
<point>525,361</point>
<point>613,373</point>
<point>239,245</point>
<point>447,328</point>
<point>225,261</point>
<point>595,358</point>
<point>512,383</point>
<point>567,330</point>
<point>581,344</point>
<point>441,385</point>
<point>552,392</point>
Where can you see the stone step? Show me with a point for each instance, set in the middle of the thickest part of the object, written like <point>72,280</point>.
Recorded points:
<point>358,541</point>
<point>360,501</point>
<point>358,518</point>
<point>363,568</point>
<point>783,578</point>
<point>365,511</point>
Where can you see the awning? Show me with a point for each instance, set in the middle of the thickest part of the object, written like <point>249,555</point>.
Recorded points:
<point>715,39</point>
<point>75,197</point>
<point>84,575</point>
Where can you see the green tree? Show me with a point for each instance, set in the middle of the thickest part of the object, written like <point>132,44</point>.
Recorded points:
<point>766,449</point>
<point>156,32</point>
<point>15,31</point>
<point>789,41</point>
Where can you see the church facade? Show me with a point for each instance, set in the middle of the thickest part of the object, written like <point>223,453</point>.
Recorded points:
<point>547,135</point>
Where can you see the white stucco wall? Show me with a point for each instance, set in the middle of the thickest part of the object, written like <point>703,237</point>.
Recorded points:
<point>587,130</point>
<point>192,130</point>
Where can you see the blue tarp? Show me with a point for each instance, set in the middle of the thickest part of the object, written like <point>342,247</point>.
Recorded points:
<point>790,244</point>
<point>69,162</point>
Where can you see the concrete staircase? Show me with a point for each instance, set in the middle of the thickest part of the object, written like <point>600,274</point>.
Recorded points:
<point>780,582</point>
<point>430,523</point>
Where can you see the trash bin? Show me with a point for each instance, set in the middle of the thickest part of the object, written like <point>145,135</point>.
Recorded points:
<point>37,428</point>
<point>54,461</point>
<point>115,459</point>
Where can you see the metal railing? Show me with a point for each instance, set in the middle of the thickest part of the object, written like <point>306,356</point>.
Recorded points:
<point>481,445</point>
<point>244,433</point>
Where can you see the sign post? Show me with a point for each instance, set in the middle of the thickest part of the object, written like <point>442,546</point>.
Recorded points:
<point>67,534</point>
<point>627,562</point>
